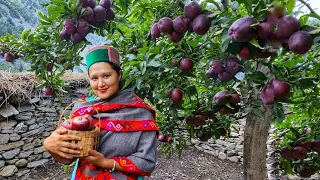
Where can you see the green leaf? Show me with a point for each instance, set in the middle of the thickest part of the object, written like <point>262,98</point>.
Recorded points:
<point>257,77</point>
<point>303,20</point>
<point>154,63</point>
<point>25,34</point>
<point>255,43</point>
<point>290,5</point>
<point>234,48</point>
<point>248,5</point>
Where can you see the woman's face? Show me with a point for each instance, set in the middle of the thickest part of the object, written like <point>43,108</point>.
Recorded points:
<point>104,80</point>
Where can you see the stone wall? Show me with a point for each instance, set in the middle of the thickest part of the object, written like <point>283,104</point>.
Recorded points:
<point>230,148</point>
<point>22,134</point>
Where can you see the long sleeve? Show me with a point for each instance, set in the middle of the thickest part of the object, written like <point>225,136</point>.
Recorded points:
<point>144,160</point>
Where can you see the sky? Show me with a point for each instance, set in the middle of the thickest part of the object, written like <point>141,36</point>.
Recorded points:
<point>315,4</point>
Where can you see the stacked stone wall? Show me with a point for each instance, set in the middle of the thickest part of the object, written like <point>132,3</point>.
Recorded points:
<point>22,135</point>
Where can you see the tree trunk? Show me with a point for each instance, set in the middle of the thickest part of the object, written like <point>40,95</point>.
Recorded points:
<point>255,144</point>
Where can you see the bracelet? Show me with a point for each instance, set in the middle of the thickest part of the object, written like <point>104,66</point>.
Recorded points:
<point>114,166</point>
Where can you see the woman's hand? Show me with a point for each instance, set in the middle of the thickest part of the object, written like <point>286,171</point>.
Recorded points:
<point>58,143</point>
<point>97,159</point>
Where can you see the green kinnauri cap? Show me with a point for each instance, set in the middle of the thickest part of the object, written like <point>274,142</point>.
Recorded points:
<point>102,54</point>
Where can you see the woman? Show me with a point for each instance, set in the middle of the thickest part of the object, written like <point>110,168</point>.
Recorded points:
<point>128,137</point>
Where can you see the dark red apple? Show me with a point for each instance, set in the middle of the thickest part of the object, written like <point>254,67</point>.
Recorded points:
<point>232,67</point>
<point>83,27</point>
<point>281,89</point>
<point>300,152</point>
<point>222,131</point>
<point>225,76</point>
<point>84,3</point>
<point>234,98</point>
<point>216,66</point>
<point>80,123</point>
<point>64,35</point>
<point>300,42</point>
<point>165,25</point>
<point>221,98</point>
<point>267,95</point>
<point>315,145</point>
<point>181,24</point>
<point>155,32</point>
<point>100,13</point>
<point>287,153</point>
<point>162,138</point>
<point>200,120</point>
<point>186,65</point>
<point>91,120</point>
<point>306,172</point>
<point>69,26</point>
<point>201,24</point>
<point>176,96</point>
<point>175,36</point>
<point>77,37</point>
<point>245,54</point>
<point>192,10</point>
<point>92,3</point>
<point>8,57</point>
<point>302,142</point>
<point>190,120</point>
<point>47,91</point>
<point>67,124</point>
<point>105,3</point>
<point>170,140</point>
<point>287,25</point>
<point>211,74</point>
<point>110,15</point>
<point>241,30</point>
<point>265,30</point>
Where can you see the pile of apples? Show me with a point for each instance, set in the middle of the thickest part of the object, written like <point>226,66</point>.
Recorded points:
<point>91,15</point>
<point>228,102</point>
<point>79,123</point>
<point>193,20</point>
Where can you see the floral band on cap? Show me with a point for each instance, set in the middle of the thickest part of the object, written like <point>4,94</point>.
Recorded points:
<point>102,54</point>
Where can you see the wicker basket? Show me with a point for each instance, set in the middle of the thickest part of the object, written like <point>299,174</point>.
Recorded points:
<point>89,139</point>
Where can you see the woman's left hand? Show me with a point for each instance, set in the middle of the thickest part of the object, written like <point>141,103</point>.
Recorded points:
<point>95,158</point>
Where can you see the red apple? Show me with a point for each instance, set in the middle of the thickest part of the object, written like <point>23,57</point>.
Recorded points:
<point>91,120</point>
<point>81,123</point>
<point>162,138</point>
<point>67,124</point>
<point>47,91</point>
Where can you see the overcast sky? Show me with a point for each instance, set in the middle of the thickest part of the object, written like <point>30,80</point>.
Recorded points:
<point>315,4</point>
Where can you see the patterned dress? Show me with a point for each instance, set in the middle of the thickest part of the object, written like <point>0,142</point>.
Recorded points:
<point>128,135</point>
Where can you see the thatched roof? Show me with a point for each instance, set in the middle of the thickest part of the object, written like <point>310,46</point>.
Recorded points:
<point>18,87</point>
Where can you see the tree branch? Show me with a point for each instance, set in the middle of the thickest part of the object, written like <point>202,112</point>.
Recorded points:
<point>225,4</point>
<point>308,6</point>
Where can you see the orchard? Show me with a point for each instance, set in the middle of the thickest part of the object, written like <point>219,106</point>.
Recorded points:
<point>201,64</point>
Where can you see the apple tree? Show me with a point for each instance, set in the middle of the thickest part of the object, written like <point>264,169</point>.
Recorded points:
<point>201,65</point>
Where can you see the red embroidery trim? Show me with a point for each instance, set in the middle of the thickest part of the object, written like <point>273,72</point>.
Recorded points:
<point>128,125</point>
<point>108,107</point>
<point>129,166</point>
<point>80,175</point>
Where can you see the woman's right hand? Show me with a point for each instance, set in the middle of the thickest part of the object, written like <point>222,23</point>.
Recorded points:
<point>58,143</point>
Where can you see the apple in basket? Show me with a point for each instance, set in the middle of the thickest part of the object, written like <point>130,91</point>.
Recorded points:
<point>83,123</point>
<point>80,123</point>
<point>67,124</point>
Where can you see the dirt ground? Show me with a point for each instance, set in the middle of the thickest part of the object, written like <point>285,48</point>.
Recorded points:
<point>193,164</point>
